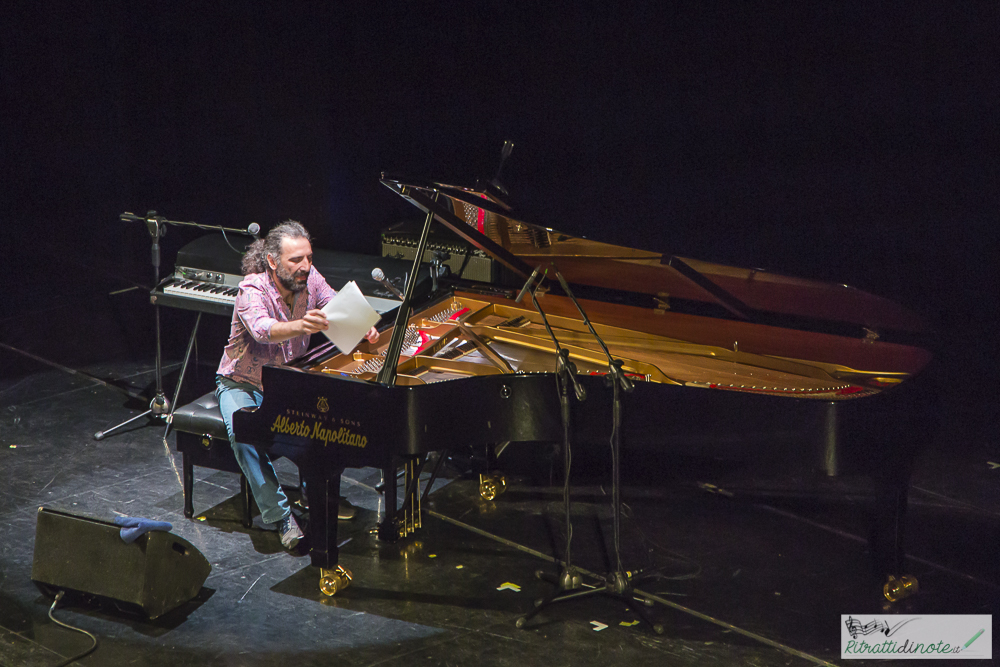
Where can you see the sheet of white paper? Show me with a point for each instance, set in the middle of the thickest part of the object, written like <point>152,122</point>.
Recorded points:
<point>350,317</point>
<point>382,306</point>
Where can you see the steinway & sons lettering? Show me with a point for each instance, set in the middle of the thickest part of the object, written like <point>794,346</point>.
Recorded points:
<point>317,431</point>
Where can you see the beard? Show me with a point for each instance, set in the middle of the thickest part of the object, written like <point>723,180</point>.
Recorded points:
<point>290,281</point>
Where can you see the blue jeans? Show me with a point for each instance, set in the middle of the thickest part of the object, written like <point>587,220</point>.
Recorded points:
<point>256,466</point>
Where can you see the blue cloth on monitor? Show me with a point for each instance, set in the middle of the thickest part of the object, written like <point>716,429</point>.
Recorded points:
<point>133,527</point>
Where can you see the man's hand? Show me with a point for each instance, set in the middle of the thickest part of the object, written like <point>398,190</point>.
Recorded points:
<point>372,336</point>
<point>313,321</point>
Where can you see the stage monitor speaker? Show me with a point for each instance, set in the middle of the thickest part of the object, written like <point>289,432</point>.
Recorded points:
<point>157,572</point>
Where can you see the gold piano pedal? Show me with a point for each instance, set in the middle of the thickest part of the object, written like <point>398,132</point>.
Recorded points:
<point>412,518</point>
<point>333,581</point>
<point>492,485</point>
<point>897,589</point>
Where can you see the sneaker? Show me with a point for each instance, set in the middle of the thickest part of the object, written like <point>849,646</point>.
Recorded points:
<point>289,531</point>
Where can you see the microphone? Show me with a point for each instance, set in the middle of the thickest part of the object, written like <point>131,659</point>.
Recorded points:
<point>380,277</point>
<point>254,230</point>
<point>527,285</point>
<point>508,146</point>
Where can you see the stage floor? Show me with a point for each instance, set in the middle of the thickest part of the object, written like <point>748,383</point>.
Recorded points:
<point>747,568</point>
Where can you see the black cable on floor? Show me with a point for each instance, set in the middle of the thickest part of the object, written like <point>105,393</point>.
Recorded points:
<point>90,650</point>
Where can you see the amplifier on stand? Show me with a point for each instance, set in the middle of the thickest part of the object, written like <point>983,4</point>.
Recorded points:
<point>463,259</point>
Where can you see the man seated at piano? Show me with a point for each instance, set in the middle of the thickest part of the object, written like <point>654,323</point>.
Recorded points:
<point>278,308</point>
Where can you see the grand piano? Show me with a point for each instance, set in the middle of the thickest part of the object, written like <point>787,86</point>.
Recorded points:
<point>707,347</point>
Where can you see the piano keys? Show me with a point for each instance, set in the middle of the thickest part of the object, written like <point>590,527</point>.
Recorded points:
<point>198,292</point>
<point>207,275</point>
<point>710,349</point>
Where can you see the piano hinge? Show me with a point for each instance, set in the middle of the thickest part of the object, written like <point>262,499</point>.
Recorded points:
<point>662,303</point>
<point>870,335</point>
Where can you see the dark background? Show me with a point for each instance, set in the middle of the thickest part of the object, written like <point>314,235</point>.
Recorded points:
<point>854,142</point>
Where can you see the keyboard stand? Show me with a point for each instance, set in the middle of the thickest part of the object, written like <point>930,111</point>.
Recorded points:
<point>180,380</point>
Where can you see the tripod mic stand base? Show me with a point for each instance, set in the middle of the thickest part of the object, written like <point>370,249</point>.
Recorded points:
<point>160,405</point>
<point>569,586</point>
<point>569,580</point>
<point>100,435</point>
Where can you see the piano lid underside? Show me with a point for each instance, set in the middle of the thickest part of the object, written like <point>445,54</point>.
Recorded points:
<point>464,336</point>
<point>761,294</point>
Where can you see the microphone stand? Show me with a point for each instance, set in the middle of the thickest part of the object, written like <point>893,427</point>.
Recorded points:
<point>389,528</point>
<point>617,584</point>
<point>161,406</point>
<point>569,581</point>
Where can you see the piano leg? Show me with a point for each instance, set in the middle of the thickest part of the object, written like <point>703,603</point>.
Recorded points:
<point>889,522</point>
<point>324,496</point>
<point>897,427</point>
<point>888,538</point>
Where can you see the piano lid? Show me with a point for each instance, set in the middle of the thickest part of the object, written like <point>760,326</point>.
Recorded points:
<point>483,219</point>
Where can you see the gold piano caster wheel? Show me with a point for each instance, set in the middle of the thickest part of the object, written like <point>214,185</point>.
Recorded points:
<point>333,581</point>
<point>897,589</point>
<point>491,486</point>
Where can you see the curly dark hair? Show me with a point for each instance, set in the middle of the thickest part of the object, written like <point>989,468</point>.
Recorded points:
<point>255,261</point>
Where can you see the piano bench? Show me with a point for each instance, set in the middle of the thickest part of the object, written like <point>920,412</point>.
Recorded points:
<point>202,440</point>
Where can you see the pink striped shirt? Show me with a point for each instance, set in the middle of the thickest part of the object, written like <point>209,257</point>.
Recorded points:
<point>258,306</point>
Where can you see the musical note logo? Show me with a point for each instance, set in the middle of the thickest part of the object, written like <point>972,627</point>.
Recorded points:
<point>856,627</point>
